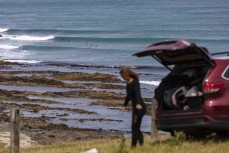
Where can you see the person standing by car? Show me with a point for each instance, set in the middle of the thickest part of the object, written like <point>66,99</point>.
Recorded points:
<point>138,105</point>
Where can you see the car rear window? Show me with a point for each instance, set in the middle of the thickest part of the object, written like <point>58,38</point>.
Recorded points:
<point>226,73</point>
<point>193,71</point>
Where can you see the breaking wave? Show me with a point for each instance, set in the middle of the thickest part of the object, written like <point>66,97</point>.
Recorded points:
<point>3,29</point>
<point>154,83</point>
<point>23,61</point>
<point>8,47</point>
<point>28,38</point>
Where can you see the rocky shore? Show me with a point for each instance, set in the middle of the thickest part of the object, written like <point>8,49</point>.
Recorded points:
<point>40,95</point>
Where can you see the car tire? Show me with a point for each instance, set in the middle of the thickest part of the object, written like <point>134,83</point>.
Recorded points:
<point>223,134</point>
<point>196,135</point>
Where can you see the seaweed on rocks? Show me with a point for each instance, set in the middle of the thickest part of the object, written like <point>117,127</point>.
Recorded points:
<point>85,77</point>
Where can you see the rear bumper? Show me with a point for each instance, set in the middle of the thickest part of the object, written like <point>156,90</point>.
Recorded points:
<point>186,123</point>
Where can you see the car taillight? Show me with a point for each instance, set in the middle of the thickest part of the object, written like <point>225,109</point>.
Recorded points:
<point>206,121</point>
<point>211,87</point>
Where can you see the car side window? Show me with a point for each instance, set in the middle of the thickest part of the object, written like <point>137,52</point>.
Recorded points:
<point>226,73</point>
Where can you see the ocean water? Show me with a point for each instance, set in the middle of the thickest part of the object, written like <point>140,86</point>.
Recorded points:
<point>105,33</point>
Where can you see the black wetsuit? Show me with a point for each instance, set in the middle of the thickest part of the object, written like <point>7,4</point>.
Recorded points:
<point>134,94</point>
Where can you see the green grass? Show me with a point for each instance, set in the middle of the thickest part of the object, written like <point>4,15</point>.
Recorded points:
<point>166,144</point>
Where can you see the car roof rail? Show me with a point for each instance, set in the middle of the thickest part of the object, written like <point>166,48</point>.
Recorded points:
<point>220,53</point>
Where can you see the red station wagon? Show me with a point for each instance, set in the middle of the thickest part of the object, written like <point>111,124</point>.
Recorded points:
<point>194,96</point>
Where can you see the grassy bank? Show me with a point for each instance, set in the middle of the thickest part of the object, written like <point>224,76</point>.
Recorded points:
<point>165,145</point>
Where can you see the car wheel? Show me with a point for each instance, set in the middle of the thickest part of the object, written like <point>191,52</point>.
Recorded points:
<point>172,133</point>
<point>197,135</point>
<point>222,134</point>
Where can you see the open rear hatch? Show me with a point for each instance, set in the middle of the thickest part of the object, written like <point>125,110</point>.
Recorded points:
<point>177,52</point>
<point>181,89</point>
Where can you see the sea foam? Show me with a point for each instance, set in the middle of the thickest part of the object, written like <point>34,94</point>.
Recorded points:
<point>3,29</point>
<point>24,61</point>
<point>28,38</point>
<point>154,83</point>
<point>8,47</point>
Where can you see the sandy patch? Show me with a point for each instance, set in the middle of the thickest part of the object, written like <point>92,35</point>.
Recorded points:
<point>25,141</point>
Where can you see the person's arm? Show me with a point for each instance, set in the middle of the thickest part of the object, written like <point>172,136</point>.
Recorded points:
<point>127,99</point>
<point>137,92</point>
<point>138,95</point>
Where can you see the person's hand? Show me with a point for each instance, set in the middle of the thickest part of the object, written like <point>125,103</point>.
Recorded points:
<point>138,107</point>
<point>124,109</point>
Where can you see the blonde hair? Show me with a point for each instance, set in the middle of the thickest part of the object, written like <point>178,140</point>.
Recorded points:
<point>126,70</point>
